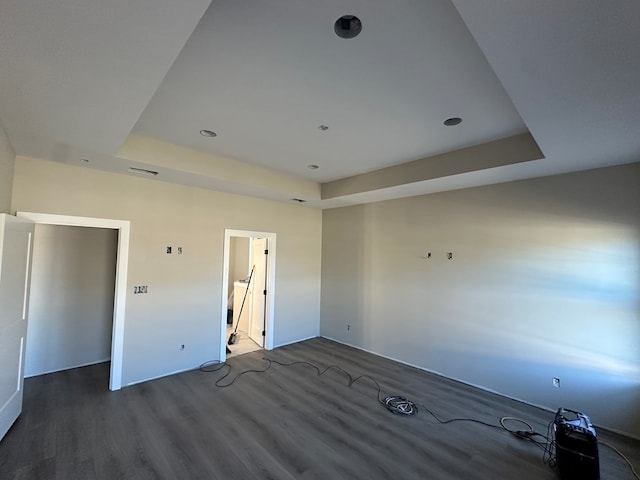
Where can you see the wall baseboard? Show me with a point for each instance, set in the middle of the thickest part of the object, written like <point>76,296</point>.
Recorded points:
<point>156,377</point>
<point>297,341</point>
<point>108,359</point>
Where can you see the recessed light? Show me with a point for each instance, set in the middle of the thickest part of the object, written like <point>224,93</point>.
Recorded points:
<point>347,26</point>
<point>313,167</point>
<point>452,122</point>
<point>324,128</point>
<point>143,171</point>
<point>299,200</point>
<point>208,133</point>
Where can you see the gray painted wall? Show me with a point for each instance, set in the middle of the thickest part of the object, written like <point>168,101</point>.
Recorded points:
<point>7,161</point>
<point>183,303</point>
<point>71,301</point>
<point>544,282</point>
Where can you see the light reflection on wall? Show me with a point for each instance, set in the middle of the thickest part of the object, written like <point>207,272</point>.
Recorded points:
<point>574,296</point>
<point>544,283</point>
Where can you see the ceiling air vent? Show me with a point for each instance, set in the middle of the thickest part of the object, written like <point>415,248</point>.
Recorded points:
<point>143,171</point>
<point>452,122</point>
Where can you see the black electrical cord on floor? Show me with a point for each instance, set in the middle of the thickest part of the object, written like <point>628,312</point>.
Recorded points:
<point>402,406</point>
<point>633,470</point>
<point>208,367</point>
<point>528,434</point>
<point>549,456</point>
<point>453,420</point>
<point>395,403</point>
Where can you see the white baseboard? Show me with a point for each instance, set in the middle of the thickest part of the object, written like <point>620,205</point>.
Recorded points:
<point>108,359</point>
<point>296,341</point>
<point>156,377</point>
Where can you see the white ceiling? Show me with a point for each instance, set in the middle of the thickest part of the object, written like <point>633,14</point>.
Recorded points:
<point>265,74</point>
<point>131,83</point>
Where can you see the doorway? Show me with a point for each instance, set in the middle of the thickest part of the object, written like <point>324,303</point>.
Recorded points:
<point>248,255</point>
<point>71,300</point>
<point>122,257</point>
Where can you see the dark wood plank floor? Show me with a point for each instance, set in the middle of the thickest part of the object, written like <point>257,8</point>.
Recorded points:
<point>284,424</point>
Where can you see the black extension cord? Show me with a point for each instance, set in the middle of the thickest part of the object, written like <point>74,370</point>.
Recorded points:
<point>400,405</point>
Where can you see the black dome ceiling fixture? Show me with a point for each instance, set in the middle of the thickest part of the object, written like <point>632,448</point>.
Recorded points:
<point>452,122</point>
<point>347,26</point>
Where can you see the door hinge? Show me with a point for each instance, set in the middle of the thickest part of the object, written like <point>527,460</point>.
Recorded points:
<point>266,252</point>
<point>263,333</point>
<point>264,292</point>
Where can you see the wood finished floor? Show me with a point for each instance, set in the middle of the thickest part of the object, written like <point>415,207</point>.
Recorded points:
<point>284,424</point>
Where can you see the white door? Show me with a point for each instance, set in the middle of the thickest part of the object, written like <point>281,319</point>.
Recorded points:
<point>258,290</point>
<point>16,236</point>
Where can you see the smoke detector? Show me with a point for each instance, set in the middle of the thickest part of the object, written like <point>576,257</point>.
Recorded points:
<point>348,26</point>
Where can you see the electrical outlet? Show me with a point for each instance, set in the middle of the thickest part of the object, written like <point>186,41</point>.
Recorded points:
<point>182,347</point>
<point>555,382</point>
<point>348,327</point>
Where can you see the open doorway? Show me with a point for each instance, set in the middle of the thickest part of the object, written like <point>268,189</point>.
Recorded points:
<point>119,297</point>
<point>247,292</point>
<point>71,299</point>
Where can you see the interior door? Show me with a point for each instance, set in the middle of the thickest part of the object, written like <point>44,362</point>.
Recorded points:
<point>16,236</point>
<point>259,247</point>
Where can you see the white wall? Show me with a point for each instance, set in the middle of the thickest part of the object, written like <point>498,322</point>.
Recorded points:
<point>7,161</point>
<point>238,268</point>
<point>238,260</point>
<point>545,282</point>
<point>71,301</point>
<point>182,305</point>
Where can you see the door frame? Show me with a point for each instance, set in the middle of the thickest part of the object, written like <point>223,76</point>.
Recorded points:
<point>120,291</point>
<point>271,284</point>
<point>265,269</point>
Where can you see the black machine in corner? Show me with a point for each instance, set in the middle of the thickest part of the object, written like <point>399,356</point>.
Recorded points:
<point>576,446</point>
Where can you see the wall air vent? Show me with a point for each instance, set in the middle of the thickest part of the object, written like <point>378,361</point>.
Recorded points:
<point>143,171</point>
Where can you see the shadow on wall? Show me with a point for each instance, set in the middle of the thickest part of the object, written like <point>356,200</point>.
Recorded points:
<point>346,298</point>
